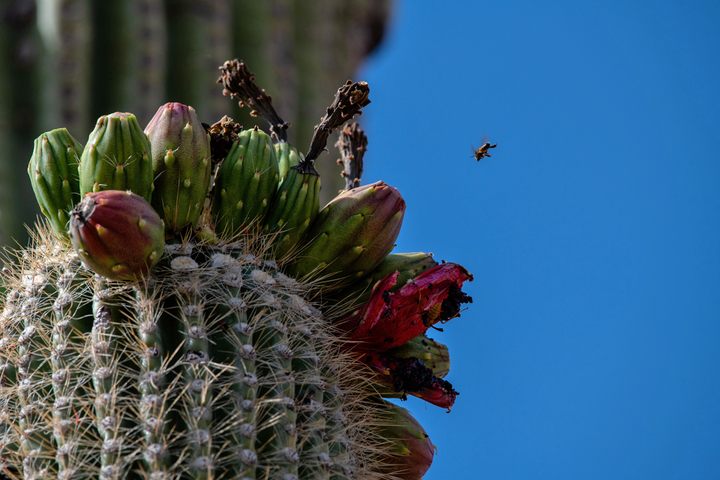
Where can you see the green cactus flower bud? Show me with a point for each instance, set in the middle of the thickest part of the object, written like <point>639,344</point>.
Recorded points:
<point>295,204</point>
<point>410,451</point>
<point>246,182</point>
<point>53,171</point>
<point>117,234</point>
<point>434,355</point>
<point>287,157</point>
<point>117,157</point>
<point>180,149</point>
<point>353,233</point>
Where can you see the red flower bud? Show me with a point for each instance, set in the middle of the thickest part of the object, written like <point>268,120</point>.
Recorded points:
<point>117,234</point>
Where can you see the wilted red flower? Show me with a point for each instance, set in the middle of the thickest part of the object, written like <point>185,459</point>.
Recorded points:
<point>411,376</point>
<point>391,318</point>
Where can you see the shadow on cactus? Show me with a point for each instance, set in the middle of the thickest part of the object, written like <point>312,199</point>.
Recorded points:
<point>198,315</point>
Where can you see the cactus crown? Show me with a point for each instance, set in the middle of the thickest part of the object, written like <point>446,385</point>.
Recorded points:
<point>257,344</point>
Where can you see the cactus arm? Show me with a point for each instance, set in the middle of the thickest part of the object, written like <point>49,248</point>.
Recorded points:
<point>113,73</point>
<point>251,40</point>
<point>66,30</point>
<point>150,59</point>
<point>308,68</point>
<point>128,73</point>
<point>188,27</point>
<point>218,48</point>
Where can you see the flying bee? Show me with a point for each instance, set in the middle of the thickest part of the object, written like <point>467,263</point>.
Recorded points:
<point>482,151</point>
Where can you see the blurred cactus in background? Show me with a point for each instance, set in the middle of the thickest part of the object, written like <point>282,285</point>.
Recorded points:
<point>80,59</point>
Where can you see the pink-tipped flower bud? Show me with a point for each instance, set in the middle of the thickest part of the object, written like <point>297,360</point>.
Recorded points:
<point>410,451</point>
<point>180,149</point>
<point>352,234</point>
<point>117,234</point>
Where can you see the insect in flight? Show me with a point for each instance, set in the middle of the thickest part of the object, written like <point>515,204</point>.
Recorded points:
<point>482,151</point>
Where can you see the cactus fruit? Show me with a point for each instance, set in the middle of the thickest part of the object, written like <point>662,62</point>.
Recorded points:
<point>353,233</point>
<point>117,234</point>
<point>412,452</point>
<point>217,355</point>
<point>180,149</point>
<point>53,171</point>
<point>117,157</point>
<point>246,182</point>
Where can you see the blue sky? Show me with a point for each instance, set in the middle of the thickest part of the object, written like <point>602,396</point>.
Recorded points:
<point>592,350</point>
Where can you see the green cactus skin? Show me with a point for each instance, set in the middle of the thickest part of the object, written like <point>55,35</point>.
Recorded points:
<point>352,234</point>
<point>199,40</point>
<point>53,172</point>
<point>433,354</point>
<point>295,204</point>
<point>132,77</point>
<point>246,182</point>
<point>117,157</point>
<point>215,367</point>
<point>180,149</point>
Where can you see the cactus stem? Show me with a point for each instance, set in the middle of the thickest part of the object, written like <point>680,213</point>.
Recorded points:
<point>349,101</point>
<point>238,83</point>
<point>352,145</point>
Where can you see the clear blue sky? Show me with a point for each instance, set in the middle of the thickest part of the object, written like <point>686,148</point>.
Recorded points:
<point>592,350</point>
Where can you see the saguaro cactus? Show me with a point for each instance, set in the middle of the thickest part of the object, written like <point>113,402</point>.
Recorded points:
<point>66,62</point>
<point>144,347</point>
